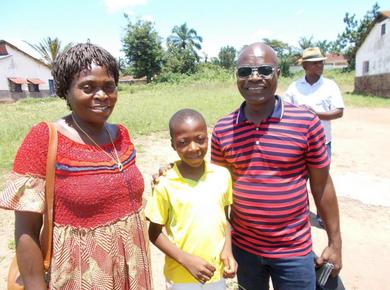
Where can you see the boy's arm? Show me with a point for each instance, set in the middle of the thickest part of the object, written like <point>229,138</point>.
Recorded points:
<point>199,268</point>
<point>230,264</point>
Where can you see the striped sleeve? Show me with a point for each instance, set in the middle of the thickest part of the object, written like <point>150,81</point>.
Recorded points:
<point>217,156</point>
<point>316,155</point>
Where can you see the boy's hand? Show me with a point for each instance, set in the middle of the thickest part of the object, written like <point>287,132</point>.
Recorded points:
<point>199,268</point>
<point>230,265</point>
<point>161,172</point>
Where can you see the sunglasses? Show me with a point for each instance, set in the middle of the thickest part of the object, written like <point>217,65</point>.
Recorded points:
<point>266,71</point>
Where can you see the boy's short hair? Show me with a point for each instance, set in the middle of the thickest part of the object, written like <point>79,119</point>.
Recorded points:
<point>182,115</point>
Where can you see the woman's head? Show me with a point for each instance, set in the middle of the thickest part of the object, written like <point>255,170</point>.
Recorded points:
<point>78,58</point>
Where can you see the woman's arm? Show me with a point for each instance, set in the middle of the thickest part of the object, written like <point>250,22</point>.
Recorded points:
<point>28,251</point>
<point>198,267</point>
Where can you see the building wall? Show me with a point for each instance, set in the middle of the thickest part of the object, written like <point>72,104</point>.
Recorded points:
<point>19,65</point>
<point>376,50</point>
<point>378,85</point>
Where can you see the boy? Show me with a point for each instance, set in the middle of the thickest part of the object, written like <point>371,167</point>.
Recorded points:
<point>191,201</point>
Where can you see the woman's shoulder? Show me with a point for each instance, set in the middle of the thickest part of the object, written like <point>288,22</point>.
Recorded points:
<point>31,155</point>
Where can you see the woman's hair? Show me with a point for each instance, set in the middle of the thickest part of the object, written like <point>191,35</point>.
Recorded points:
<point>72,61</point>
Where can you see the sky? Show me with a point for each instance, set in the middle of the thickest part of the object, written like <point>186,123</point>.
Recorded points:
<point>218,22</point>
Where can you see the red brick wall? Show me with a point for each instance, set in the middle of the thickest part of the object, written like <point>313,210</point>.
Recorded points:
<point>378,85</point>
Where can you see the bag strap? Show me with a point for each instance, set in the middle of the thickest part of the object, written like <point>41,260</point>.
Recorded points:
<point>47,231</point>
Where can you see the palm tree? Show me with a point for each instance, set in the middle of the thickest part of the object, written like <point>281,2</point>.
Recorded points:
<point>184,38</point>
<point>305,42</point>
<point>49,49</point>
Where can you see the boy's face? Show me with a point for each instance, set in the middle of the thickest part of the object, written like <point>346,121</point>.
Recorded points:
<point>190,141</point>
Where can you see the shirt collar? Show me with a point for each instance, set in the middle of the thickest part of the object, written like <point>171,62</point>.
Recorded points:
<point>275,116</point>
<point>174,173</point>
<point>320,81</point>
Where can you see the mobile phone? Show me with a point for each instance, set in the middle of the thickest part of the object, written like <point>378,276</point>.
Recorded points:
<point>323,272</point>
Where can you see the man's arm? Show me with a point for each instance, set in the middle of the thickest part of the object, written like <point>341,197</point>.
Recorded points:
<point>324,195</point>
<point>28,251</point>
<point>330,115</point>
<point>199,268</point>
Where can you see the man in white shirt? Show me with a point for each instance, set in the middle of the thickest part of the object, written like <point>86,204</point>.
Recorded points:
<point>320,95</point>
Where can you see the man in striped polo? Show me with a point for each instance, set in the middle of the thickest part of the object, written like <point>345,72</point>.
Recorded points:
<point>272,148</point>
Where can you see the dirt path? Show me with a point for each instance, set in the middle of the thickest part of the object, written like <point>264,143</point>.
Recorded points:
<point>361,171</point>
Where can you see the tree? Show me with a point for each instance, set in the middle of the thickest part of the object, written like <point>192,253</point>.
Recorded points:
<point>181,61</point>
<point>305,42</point>
<point>227,57</point>
<point>355,32</point>
<point>287,55</point>
<point>142,48</point>
<point>184,38</point>
<point>48,49</point>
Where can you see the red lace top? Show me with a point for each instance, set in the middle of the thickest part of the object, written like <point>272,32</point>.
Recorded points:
<point>89,190</point>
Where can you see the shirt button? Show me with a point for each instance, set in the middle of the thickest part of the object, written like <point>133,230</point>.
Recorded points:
<point>257,142</point>
<point>257,129</point>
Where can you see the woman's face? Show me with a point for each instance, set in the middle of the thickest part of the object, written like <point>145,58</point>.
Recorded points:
<point>92,95</point>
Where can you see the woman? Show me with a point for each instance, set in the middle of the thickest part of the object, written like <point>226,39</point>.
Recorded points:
<point>99,239</point>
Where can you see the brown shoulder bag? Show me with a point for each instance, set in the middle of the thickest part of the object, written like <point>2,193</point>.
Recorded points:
<point>15,281</point>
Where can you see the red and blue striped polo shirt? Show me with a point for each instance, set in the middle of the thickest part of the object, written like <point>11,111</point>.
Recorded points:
<point>268,162</point>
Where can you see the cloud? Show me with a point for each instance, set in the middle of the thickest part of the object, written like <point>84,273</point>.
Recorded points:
<point>115,5</point>
<point>300,12</point>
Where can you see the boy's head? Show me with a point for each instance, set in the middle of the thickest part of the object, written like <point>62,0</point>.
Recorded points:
<point>189,138</point>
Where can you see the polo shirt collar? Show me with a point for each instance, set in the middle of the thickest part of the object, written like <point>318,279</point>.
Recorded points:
<point>275,116</point>
<point>174,173</point>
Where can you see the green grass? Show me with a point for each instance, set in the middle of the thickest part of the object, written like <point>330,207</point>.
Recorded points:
<point>147,108</point>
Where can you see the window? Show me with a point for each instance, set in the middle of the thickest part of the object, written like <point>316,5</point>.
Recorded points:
<point>383,29</point>
<point>33,87</point>
<point>15,84</point>
<point>33,84</point>
<point>366,67</point>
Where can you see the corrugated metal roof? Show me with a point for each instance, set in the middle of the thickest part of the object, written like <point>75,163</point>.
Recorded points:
<point>18,81</point>
<point>3,49</point>
<point>35,81</point>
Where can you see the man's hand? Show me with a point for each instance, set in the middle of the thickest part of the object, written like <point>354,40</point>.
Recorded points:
<point>332,255</point>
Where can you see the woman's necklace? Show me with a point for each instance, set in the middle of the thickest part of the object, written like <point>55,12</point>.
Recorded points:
<point>117,160</point>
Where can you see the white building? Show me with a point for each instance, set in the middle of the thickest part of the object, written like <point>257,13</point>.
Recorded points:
<point>22,75</point>
<point>372,75</point>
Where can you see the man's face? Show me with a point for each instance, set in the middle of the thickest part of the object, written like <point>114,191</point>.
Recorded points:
<point>313,68</point>
<point>257,74</point>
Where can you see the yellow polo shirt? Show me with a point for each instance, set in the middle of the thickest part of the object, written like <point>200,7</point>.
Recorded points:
<point>194,217</point>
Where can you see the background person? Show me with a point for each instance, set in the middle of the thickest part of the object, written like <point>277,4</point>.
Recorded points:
<point>271,148</point>
<point>191,202</point>
<point>320,95</point>
<point>99,239</point>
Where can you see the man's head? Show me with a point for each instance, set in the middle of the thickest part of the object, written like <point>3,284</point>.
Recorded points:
<point>257,73</point>
<point>189,137</point>
<point>313,62</point>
